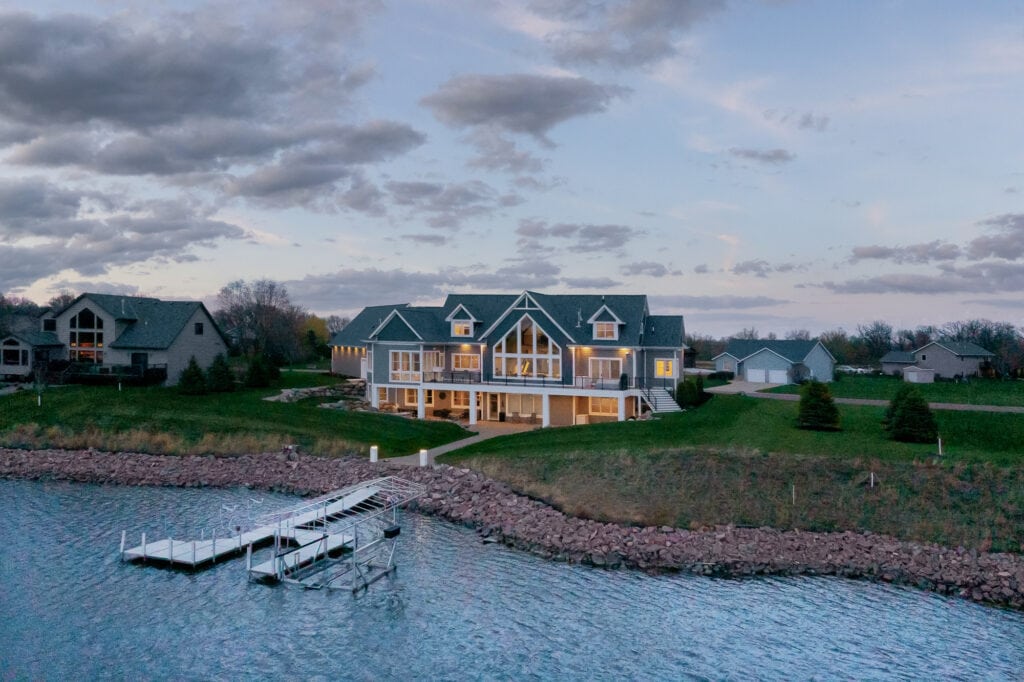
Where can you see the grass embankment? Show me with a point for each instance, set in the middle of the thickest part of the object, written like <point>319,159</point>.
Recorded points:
<point>736,460</point>
<point>159,420</point>
<point>973,392</point>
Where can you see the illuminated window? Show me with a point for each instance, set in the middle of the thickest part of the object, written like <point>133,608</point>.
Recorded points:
<point>528,352</point>
<point>605,368</point>
<point>462,328</point>
<point>86,337</point>
<point>460,398</point>
<point>466,362</point>
<point>664,367</point>
<point>405,365</point>
<point>604,406</point>
<point>606,330</point>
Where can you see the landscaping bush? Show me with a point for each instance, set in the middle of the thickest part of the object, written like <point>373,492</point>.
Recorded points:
<point>687,394</point>
<point>192,381</point>
<point>219,377</point>
<point>724,376</point>
<point>908,417</point>
<point>818,411</point>
<point>260,372</point>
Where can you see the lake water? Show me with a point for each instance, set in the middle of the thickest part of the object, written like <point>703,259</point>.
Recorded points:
<point>456,609</point>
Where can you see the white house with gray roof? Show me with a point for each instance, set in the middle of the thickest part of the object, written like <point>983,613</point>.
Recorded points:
<point>104,334</point>
<point>554,360</point>
<point>776,362</point>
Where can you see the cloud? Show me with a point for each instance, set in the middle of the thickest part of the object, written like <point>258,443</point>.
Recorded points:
<point>525,104</point>
<point>624,35</point>
<point>760,268</point>
<point>767,156</point>
<point>715,302</point>
<point>1007,243</point>
<point>649,268</point>
<point>497,152</point>
<point>447,206</point>
<point>586,237</point>
<point>701,269</point>
<point>913,253</point>
<point>983,277</point>
<point>590,282</point>
<point>47,229</point>
<point>427,239</point>
<point>807,120</point>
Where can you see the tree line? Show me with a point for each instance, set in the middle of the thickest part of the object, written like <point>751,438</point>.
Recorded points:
<point>871,341</point>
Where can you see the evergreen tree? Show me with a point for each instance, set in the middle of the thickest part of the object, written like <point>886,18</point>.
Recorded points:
<point>687,394</point>
<point>908,417</point>
<point>192,381</point>
<point>260,372</point>
<point>817,411</point>
<point>219,377</point>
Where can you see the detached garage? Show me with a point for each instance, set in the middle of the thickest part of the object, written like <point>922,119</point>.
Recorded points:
<point>777,362</point>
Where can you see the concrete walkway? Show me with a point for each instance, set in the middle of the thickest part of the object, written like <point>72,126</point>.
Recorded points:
<point>484,430</point>
<point>753,390</point>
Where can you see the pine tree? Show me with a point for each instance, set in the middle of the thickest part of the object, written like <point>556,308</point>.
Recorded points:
<point>909,419</point>
<point>219,377</point>
<point>260,372</point>
<point>818,410</point>
<point>192,381</point>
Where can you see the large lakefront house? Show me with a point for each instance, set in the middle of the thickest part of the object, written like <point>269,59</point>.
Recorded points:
<point>555,360</point>
<point>103,334</point>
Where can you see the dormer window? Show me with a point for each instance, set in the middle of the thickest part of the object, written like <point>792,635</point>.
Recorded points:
<point>608,331</point>
<point>462,328</point>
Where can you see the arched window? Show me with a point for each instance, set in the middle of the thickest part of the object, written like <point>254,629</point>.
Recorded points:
<point>86,337</point>
<point>527,352</point>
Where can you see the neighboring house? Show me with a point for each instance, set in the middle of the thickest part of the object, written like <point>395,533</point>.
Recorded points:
<point>776,362</point>
<point>21,352</point>
<point>107,334</point>
<point>555,360</point>
<point>953,358</point>
<point>894,362</point>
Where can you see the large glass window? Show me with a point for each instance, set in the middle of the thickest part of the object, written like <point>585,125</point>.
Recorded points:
<point>405,365</point>
<point>12,353</point>
<point>605,368</point>
<point>604,406</point>
<point>465,362</point>
<point>528,352</point>
<point>86,337</point>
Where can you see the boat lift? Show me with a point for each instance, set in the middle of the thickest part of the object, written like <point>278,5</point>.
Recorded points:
<point>346,538</point>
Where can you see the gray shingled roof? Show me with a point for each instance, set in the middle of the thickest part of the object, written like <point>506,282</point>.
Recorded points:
<point>963,348</point>
<point>36,338</point>
<point>899,356</point>
<point>153,324</point>
<point>792,350</point>
<point>358,330</point>
<point>569,311</point>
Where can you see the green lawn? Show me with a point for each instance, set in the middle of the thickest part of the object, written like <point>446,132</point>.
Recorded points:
<point>160,420</point>
<point>974,392</point>
<point>738,422</point>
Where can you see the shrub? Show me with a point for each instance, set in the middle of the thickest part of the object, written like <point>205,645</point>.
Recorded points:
<point>723,375</point>
<point>192,381</point>
<point>219,377</point>
<point>908,417</point>
<point>818,411</point>
<point>687,394</point>
<point>260,372</point>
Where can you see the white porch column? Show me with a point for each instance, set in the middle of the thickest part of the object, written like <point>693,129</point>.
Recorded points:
<point>472,407</point>
<point>374,396</point>
<point>421,403</point>
<point>545,410</point>
<point>622,408</point>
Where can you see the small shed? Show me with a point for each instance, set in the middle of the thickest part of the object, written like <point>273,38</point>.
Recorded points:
<point>918,375</point>
<point>895,361</point>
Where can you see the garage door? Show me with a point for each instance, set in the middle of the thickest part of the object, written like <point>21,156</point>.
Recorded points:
<point>756,376</point>
<point>777,376</point>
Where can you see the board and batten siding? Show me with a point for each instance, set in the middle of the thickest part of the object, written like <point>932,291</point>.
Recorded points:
<point>205,347</point>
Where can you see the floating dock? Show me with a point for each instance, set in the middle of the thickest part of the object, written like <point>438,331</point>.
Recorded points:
<point>350,532</point>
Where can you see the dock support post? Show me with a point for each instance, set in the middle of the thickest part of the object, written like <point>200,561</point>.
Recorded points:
<point>193,552</point>
<point>423,458</point>
<point>373,453</point>
<point>170,548</point>
<point>214,546</point>
<point>143,546</point>
<point>123,535</point>
<point>248,562</point>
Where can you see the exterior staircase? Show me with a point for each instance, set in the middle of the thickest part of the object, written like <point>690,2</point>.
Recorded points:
<point>661,401</point>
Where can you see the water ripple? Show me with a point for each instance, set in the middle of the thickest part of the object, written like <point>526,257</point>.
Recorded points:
<point>456,609</point>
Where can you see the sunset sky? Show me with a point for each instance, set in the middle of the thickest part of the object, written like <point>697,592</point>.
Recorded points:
<point>771,164</point>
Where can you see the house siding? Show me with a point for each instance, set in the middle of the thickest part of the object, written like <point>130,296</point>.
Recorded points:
<point>17,370</point>
<point>204,347</point>
<point>725,363</point>
<point>945,363</point>
<point>820,364</point>
<point>765,359</point>
<point>347,360</point>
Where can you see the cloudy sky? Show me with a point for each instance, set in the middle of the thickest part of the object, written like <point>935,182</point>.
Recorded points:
<point>767,163</point>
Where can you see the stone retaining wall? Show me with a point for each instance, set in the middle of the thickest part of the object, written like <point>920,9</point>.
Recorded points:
<point>500,515</point>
